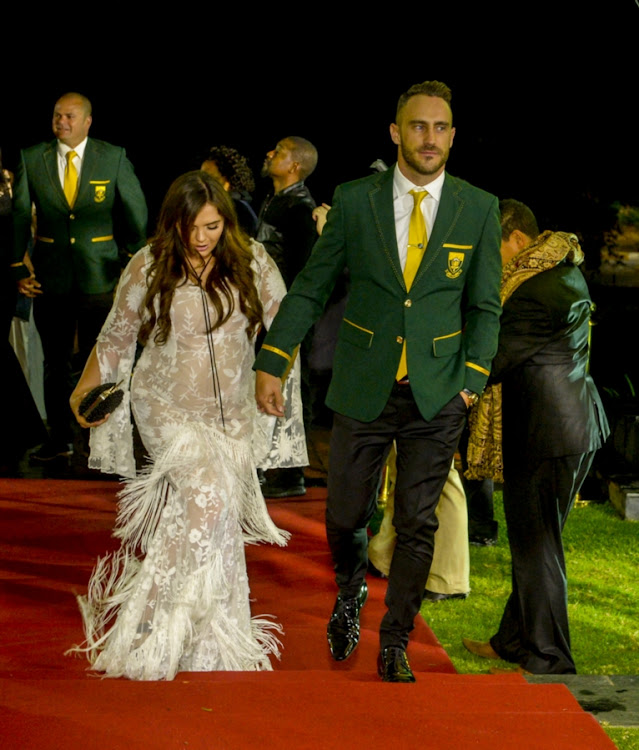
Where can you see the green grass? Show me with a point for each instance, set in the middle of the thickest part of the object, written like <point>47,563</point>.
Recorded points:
<point>602,560</point>
<point>624,739</point>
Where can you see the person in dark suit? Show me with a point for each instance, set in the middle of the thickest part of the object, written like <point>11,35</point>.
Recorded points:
<point>22,426</point>
<point>553,422</point>
<point>91,215</point>
<point>414,347</point>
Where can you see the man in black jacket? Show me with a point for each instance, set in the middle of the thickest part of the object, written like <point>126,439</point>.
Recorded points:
<point>553,422</point>
<point>286,228</point>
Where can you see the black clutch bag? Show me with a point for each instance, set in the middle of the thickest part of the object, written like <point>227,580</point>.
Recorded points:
<point>101,401</point>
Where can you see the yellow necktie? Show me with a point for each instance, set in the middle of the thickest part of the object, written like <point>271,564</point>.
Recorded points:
<point>417,239</point>
<point>71,179</point>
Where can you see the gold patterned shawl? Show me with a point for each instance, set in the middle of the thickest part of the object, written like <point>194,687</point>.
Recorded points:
<point>485,460</point>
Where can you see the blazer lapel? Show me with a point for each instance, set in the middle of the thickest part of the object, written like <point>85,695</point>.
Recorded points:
<point>50,157</point>
<point>448,213</point>
<point>381,200</point>
<point>89,161</point>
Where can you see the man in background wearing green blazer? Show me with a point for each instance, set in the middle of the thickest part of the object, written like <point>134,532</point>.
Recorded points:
<point>91,216</point>
<point>446,320</point>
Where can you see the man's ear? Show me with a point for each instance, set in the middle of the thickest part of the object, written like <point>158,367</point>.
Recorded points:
<point>394,134</point>
<point>520,239</point>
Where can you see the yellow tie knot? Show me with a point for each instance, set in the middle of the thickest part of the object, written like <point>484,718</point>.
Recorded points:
<point>418,196</point>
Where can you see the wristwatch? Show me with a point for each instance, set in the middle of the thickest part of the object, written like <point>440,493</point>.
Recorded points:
<point>473,397</point>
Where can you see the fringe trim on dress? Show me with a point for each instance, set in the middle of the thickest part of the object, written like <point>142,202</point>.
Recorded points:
<point>195,635</point>
<point>137,625</point>
<point>143,498</point>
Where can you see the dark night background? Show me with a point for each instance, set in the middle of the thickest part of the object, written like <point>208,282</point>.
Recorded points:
<point>544,97</point>
<point>544,105</point>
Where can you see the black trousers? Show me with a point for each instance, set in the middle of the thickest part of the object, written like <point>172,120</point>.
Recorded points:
<point>57,317</point>
<point>357,453</point>
<point>479,499</point>
<point>537,499</point>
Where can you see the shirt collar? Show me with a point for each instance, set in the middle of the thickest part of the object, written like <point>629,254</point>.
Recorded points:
<point>63,149</point>
<point>402,185</point>
<point>290,188</point>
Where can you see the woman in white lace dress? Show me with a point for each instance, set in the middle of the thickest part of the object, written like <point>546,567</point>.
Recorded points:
<point>175,596</point>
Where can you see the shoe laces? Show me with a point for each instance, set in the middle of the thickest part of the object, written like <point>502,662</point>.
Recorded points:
<point>397,655</point>
<point>346,613</point>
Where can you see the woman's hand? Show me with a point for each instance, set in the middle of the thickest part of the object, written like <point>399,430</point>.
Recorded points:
<point>89,380</point>
<point>76,399</point>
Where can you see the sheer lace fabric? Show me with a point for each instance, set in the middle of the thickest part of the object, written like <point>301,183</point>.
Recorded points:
<point>175,596</point>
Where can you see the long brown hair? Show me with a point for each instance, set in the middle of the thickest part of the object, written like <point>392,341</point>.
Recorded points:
<point>186,197</point>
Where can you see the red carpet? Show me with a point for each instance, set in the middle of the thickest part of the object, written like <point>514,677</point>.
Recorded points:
<point>50,535</point>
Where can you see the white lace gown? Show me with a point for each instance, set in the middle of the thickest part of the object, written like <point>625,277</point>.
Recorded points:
<point>175,596</point>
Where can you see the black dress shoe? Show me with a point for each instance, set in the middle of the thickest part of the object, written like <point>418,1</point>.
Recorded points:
<point>343,627</point>
<point>393,666</point>
<point>280,483</point>
<point>51,450</point>
<point>433,596</point>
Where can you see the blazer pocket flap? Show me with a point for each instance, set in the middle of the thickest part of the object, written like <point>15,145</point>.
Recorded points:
<point>356,334</point>
<point>445,346</point>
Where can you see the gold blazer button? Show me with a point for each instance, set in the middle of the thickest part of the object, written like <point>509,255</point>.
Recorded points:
<point>408,303</point>
<point>72,216</point>
<point>72,240</point>
<point>400,340</point>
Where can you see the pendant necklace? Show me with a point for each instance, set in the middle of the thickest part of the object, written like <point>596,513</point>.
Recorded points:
<point>217,391</point>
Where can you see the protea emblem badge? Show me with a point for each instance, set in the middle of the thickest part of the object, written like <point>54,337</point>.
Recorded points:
<point>455,263</point>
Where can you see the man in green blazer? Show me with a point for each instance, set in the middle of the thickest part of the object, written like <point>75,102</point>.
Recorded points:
<point>414,350</point>
<point>90,216</point>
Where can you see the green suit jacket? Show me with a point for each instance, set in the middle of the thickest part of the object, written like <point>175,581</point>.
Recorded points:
<point>449,318</point>
<point>76,249</point>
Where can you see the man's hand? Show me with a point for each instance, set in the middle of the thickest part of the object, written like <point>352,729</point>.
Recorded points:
<point>268,394</point>
<point>29,287</point>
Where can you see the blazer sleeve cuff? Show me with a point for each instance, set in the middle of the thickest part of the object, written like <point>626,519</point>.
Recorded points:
<point>19,271</point>
<point>273,360</point>
<point>476,377</point>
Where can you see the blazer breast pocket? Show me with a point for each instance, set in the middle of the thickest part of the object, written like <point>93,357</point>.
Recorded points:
<point>356,334</point>
<point>99,190</point>
<point>457,257</point>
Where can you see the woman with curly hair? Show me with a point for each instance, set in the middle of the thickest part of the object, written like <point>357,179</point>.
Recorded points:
<point>230,168</point>
<point>175,596</point>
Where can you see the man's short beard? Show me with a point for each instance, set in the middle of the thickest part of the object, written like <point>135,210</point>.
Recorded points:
<point>420,168</point>
<point>265,169</point>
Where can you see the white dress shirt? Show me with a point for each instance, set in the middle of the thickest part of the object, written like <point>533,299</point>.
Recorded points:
<point>63,150</point>
<point>403,206</point>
